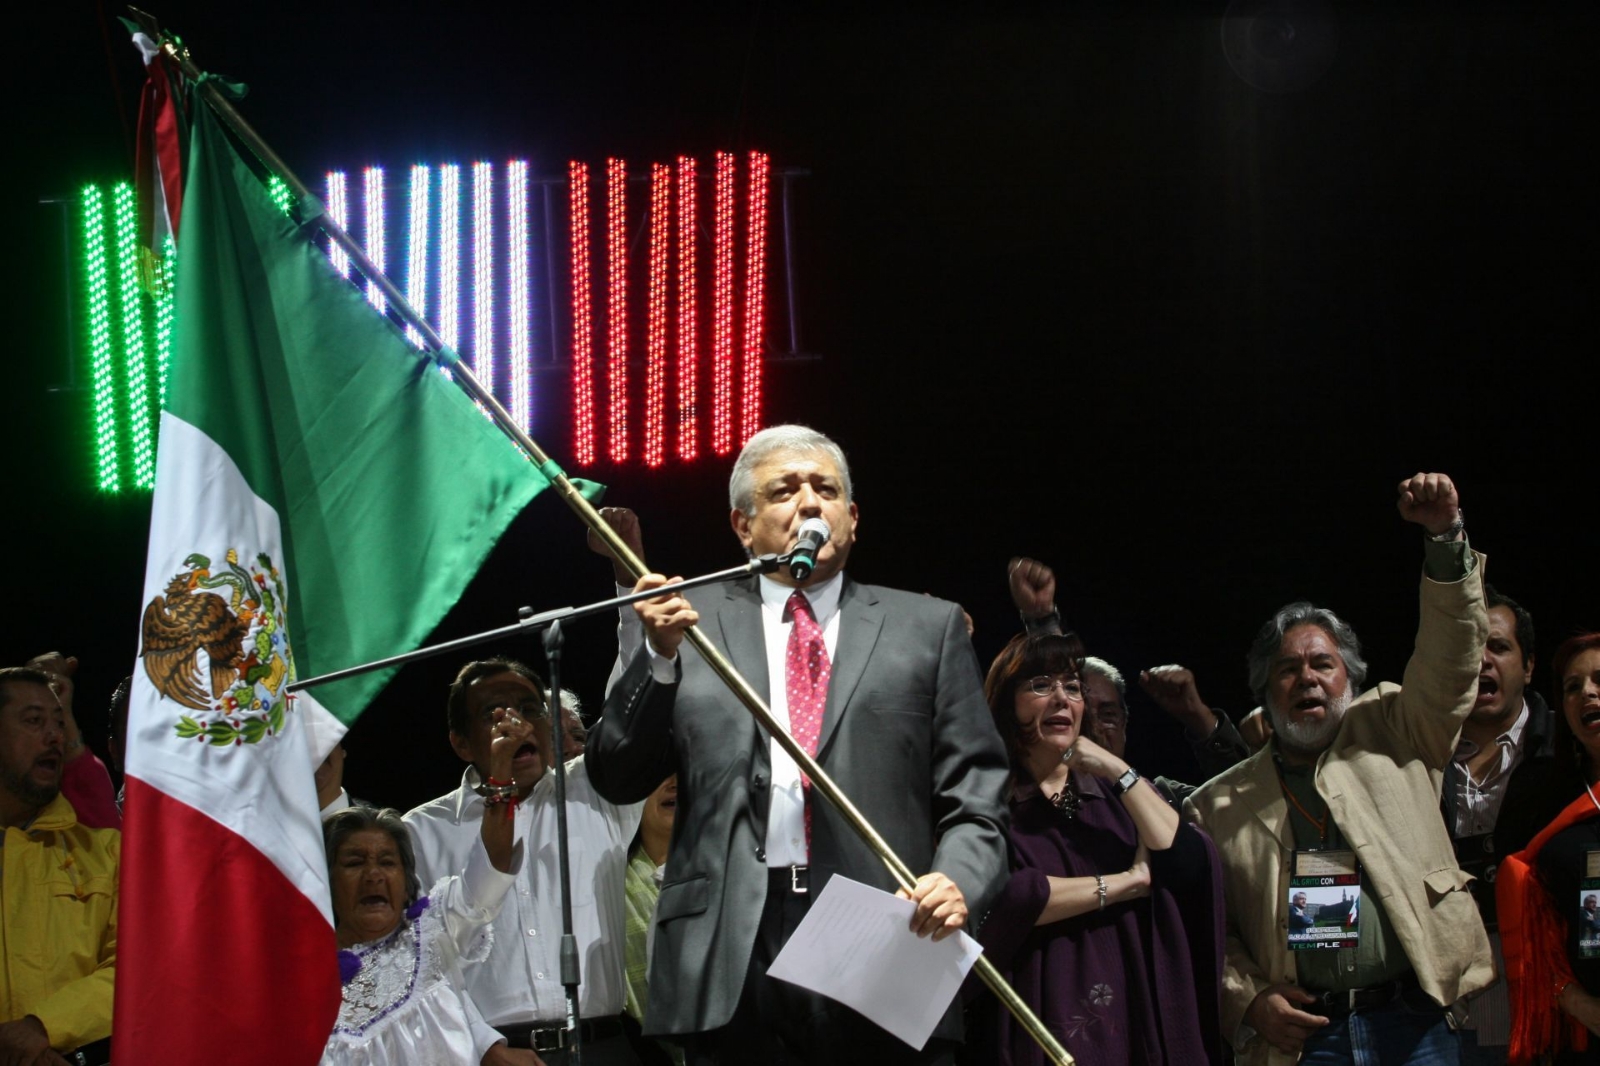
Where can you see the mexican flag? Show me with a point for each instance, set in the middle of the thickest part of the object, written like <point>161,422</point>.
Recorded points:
<point>323,494</point>
<point>158,156</point>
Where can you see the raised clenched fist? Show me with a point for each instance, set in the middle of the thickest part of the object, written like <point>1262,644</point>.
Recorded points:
<point>626,525</point>
<point>1429,500</point>
<point>1033,587</point>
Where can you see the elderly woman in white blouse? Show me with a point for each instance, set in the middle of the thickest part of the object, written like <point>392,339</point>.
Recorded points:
<point>401,952</point>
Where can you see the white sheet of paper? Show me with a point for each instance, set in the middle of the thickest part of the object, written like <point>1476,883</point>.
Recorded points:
<point>854,945</point>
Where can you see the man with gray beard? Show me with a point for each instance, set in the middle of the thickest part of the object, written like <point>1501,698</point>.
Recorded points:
<point>1340,807</point>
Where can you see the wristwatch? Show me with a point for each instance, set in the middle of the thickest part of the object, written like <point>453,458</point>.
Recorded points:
<point>1453,532</point>
<point>1127,781</point>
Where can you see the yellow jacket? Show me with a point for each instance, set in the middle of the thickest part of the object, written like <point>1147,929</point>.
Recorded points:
<point>58,925</point>
<point>1381,779</point>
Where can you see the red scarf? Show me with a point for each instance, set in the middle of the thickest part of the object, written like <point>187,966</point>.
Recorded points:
<point>1534,937</point>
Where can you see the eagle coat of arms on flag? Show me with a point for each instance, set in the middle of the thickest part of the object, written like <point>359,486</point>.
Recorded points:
<point>214,641</point>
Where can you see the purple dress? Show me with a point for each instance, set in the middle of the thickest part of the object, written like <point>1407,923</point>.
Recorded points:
<point>1137,983</point>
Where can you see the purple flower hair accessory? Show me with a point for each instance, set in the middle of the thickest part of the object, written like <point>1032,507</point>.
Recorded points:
<point>349,966</point>
<point>413,911</point>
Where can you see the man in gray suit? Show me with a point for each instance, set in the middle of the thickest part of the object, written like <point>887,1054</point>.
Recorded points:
<point>884,687</point>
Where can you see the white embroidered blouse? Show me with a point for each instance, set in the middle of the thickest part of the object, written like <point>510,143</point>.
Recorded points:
<point>408,1003</point>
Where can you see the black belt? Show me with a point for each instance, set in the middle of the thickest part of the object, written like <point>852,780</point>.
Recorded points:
<point>792,879</point>
<point>1352,1000</point>
<point>556,1037</point>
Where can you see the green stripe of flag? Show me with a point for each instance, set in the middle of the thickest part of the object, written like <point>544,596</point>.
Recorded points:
<point>390,484</point>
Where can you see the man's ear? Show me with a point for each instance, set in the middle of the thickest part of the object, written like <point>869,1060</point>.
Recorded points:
<point>741,527</point>
<point>461,746</point>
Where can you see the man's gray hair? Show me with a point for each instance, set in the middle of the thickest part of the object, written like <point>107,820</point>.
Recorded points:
<point>572,710</point>
<point>1265,648</point>
<point>1094,665</point>
<point>772,441</point>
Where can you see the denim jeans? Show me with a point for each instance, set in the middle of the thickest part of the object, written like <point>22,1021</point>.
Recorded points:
<point>1394,1035</point>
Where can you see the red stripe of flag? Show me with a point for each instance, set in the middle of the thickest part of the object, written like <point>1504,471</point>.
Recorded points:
<point>268,993</point>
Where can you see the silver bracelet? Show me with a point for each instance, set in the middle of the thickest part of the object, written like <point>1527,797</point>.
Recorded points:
<point>1100,890</point>
<point>1453,532</point>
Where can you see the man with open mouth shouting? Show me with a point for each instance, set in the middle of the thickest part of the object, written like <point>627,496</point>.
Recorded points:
<point>518,987</point>
<point>1346,797</point>
<point>1493,800</point>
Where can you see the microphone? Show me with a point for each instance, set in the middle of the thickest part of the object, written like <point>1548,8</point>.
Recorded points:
<point>814,533</point>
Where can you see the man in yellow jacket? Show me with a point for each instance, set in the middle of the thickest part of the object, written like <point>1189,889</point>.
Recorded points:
<point>1339,809</point>
<point>58,887</point>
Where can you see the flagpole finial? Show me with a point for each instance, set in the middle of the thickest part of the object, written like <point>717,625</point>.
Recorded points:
<point>149,25</point>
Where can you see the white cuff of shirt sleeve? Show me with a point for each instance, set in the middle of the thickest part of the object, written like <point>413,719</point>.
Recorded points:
<point>662,669</point>
<point>484,1037</point>
<point>482,886</point>
<point>630,635</point>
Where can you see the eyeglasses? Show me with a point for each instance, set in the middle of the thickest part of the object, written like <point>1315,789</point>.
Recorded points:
<point>531,710</point>
<point>1044,684</point>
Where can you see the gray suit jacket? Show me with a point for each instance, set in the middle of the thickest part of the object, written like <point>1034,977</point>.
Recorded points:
<point>906,734</point>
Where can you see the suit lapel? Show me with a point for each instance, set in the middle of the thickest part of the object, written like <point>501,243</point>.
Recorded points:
<point>743,634</point>
<point>1261,794</point>
<point>860,624</point>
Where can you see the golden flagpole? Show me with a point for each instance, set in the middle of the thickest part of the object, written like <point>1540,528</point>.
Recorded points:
<point>463,376</point>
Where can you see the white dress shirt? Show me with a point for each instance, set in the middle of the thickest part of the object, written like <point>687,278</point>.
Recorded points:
<point>1477,809</point>
<point>520,982</point>
<point>341,802</point>
<point>786,809</point>
<point>1478,802</point>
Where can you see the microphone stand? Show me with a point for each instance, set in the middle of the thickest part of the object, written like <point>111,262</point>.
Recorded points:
<point>569,942</point>
<point>528,621</point>
<point>550,622</point>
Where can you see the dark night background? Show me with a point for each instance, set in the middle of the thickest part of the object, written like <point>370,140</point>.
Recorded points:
<point>1079,290</point>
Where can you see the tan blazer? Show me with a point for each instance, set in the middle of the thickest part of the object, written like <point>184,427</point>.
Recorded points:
<point>1381,778</point>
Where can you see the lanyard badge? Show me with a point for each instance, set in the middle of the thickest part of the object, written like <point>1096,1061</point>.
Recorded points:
<point>1589,906</point>
<point>1325,900</point>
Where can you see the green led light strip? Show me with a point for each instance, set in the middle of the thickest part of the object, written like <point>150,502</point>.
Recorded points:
<point>136,368</point>
<point>107,477</point>
<point>279,192</point>
<point>129,388</point>
<point>168,268</point>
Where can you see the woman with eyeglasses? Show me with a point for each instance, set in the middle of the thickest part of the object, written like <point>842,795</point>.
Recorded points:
<point>1110,926</point>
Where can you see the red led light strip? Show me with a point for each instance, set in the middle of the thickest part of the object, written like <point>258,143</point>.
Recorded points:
<point>655,375</point>
<point>755,287</point>
<point>722,307</point>
<point>583,435</point>
<point>688,335</point>
<point>617,306</point>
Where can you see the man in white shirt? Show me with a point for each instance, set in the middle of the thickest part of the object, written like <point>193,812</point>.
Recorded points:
<point>518,987</point>
<point>1510,724</point>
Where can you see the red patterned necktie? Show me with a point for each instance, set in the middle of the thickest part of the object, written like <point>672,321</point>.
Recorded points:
<point>808,669</point>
